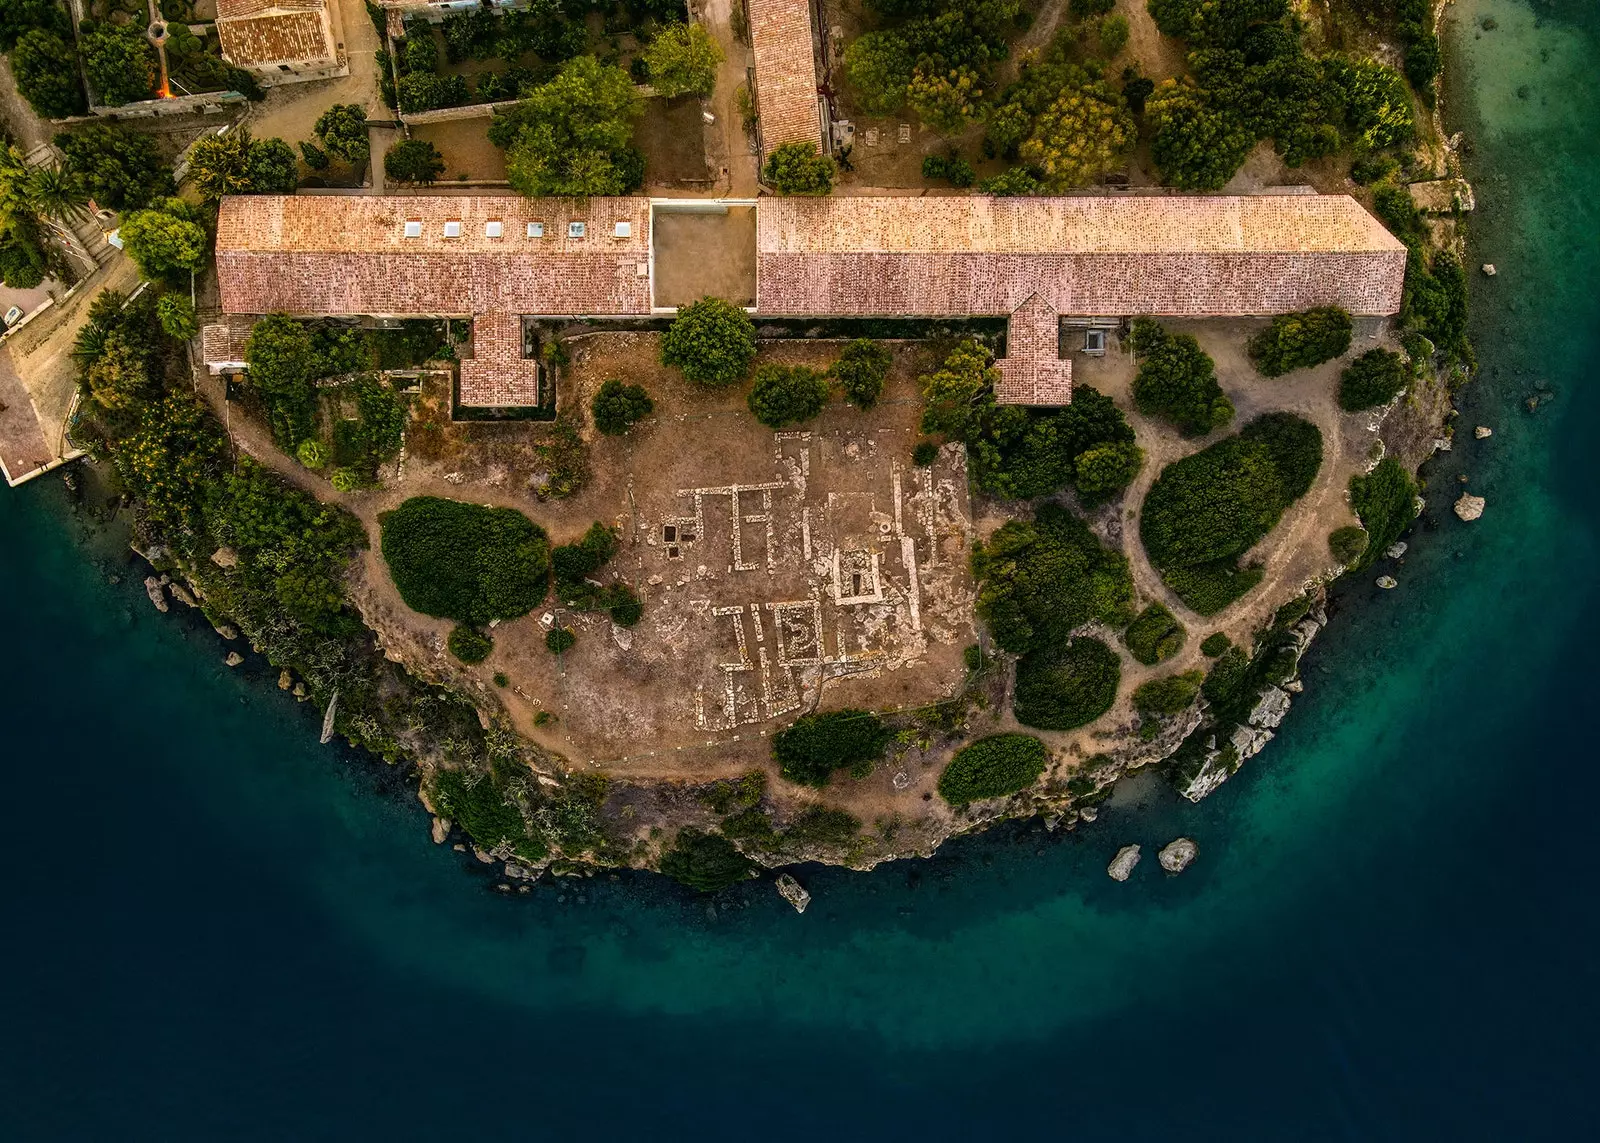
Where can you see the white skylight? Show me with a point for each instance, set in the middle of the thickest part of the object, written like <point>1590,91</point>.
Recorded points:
<point>575,229</point>
<point>624,230</point>
<point>535,230</point>
<point>491,229</point>
<point>414,228</point>
<point>452,228</point>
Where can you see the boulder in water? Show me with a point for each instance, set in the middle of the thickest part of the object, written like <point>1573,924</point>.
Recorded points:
<point>1176,855</point>
<point>1470,507</point>
<point>1121,867</point>
<point>793,892</point>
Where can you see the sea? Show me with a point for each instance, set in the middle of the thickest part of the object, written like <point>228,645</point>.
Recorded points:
<point>216,929</point>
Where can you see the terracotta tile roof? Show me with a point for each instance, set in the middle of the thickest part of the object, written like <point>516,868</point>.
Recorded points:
<point>1130,255</point>
<point>497,374</point>
<point>253,33</point>
<point>781,34</point>
<point>223,342</point>
<point>1032,372</point>
<point>349,254</point>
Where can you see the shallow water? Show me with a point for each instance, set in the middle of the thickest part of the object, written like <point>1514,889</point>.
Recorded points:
<point>218,929</point>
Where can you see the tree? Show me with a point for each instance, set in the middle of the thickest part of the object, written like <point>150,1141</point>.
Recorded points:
<point>1041,578</point>
<point>1377,105</point>
<point>1177,380</point>
<point>283,364</point>
<point>343,131</point>
<point>950,394</point>
<point>469,644</point>
<point>1375,378</point>
<point>683,60</point>
<point>944,98</point>
<point>52,191</point>
<point>574,135</point>
<point>464,561</point>
<point>421,91</point>
<point>797,168</point>
<point>313,454</point>
<point>879,66</point>
<point>46,67</point>
<point>1196,146</point>
<point>120,63</point>
<point>559,640</point>
<point>235,163</point>
<point>861,370</point>
<point>413,161</point>
<point>120,375</point>
<point>1080,137</point>
<point>1385,500</point>
<point>993,767</point>
<point>18,17</point>
<point>176,314</point>
<point>167,240</point>
<point>811,748</point>
<point>272,167</point>
<point>316,158</point>
<point>1301,340</point>
<point>786,395</point>
<point>1106,469</point>
<point>1167,696</point>
<point>617,407</point>
<point>1066,685</point>
<point>1155,635</point>
<point>711,341</point>
<point>120,169</point>
<point>1348,544</point>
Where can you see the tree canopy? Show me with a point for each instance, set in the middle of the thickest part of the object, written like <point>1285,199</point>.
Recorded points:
<point>683,60</point>
<point>711,341</point>
<point>811,748</point>
<point>992,767</point>
<point>167,240</point>
<point>46,68</point>
<point>1177,380</point>
<point>1066,685</point>
<point>119,62</point>
<point>343,131</point>
<point>464,561</point>
<point>235,163</point>
<point>574,135</point>
<point>861,371</point>
<point>1301,340</point>
<point>787,394</point>
<point>618,406</point>
<point>413,161</point>
<point>797,168</point>
<point>1375,378</point>
<point>120,169</point>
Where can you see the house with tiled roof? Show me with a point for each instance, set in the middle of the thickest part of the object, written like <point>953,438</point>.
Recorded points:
<point>789,106</point>
<point>1039,263</point>
<point>283,41</point>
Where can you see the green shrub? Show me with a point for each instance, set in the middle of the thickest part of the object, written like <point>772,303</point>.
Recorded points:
<point>501,679</point>
<point>1106,469</point>
<point>413,161</point>
<point>1299,341</point>
<point>575,567</point>
<point>1066,686</point>
<point>861,370</point>
<point>787,394</point>
<point>1021,452</point>
<point>1040,579</point>
<point>1208,509</point>
<point>749,824</point>
<point>811,748</point>
<point>729,794</point>
<point>1369,169</point>
<point>464,561</point>
<point>992,767</point>
<point>622,603</point>
<point>283,367</point>
<point>683,60</point>
<point>797,168</point>
<point>1373,379</point>
<point>821,825</point>
<point>313,454</point>
<point>711,341</point>
<point>1083,9</point>
<point>343,131</point>
<point>1348,544</point>
<point>559,640</point>
<point>1168,696</point>
<point>469,644</point>
<point>1155,635</point>
<point>1227,679</point>
<point>1214,644</point>
<point>924,453</point>
<point>1385,500</point>
<point>484,811</point>
<point>617,407</point>
<point>707,862</point>
<point>1177,380</point>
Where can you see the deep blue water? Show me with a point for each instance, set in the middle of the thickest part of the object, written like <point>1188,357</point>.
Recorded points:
<point>216,929</point>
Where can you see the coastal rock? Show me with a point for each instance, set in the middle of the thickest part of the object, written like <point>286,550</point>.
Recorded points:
<point>227,631</point>
<point>225,557</point>
<point>299,691</point>
<point>285,679</point>
<point>1121,867</point>
<point>1388,582</point>
<point>1470,507</point>
<point>181,594</point>
<point>1176,855</point>
<point>152,588</point>
<point>1488,270</point>
<point>1247,741</point>
<point>520,872</point>
<point>793,892</point>
<point>1483,432</point>
<point>1395,550</point>
<point>1088,813</point>
<point>440,830</point>
<point>234,659</point>
<point>484,856</point>
<point>1294,686</point>
<point>1270,708</point>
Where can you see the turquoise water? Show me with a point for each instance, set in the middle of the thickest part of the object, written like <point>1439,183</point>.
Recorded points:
<point>218,929</point>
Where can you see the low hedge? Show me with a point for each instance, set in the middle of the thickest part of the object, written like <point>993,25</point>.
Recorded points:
<point>469,644</point>
<point>992,767</point>
<point>811,748</point>
<point>1301,340</point>
<point>464,561</point>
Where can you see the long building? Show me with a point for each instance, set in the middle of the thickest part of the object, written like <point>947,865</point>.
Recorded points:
<point>1034,261</point>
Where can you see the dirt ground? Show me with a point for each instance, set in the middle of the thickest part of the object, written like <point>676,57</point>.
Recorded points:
<point>780,572</point>
<point>698,253</point>
<point>671,133</point>
<point>468,154</point>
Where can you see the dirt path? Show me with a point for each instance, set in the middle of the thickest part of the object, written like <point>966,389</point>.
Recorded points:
<point>729,157</point>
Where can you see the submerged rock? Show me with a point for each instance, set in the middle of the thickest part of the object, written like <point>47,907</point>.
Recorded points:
<point>1470,507</point>
<point>1395,550</point>
<point>440,830</point>
<point>227,631</point>
<point>1176,855</point>
<point>1121,867</point>
<point>1488,270</point>
<point>793,892</point>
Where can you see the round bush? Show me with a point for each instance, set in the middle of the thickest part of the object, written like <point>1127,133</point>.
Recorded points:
<point>786,395</point>
<point>1299,341</point>
<point>992,768</point>
<point>464,561</point>
<point>711,341</point>
<point>469,644</point>
<point>813,747</point>
<point>706,862</point>
<point>1373,379</point>
<point>559,639</point>
<point>1155,635</point>
<point>1348,544</point>
<point>1065,687</point>
<point>861,370</point>
<point>1168,696</point>
<point>618,407</point>
<point>924,453</point>
<point>1214,644</point>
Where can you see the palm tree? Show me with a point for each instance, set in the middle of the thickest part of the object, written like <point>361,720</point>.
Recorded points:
<point>56,194</point>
